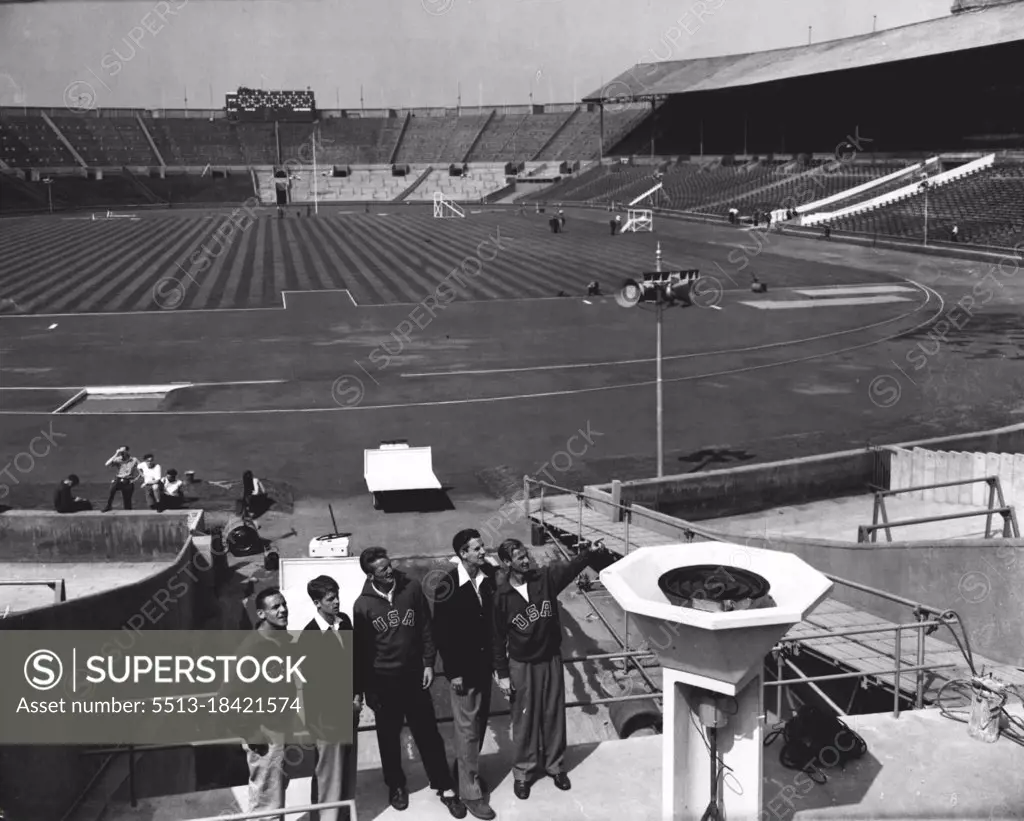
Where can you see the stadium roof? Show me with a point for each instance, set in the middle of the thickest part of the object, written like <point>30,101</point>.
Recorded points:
<point>960,32</point>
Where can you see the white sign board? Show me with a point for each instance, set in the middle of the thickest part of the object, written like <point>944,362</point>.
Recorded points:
<point>295,574</point>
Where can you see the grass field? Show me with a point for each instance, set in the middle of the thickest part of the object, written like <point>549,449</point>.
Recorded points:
<point>189,260</point>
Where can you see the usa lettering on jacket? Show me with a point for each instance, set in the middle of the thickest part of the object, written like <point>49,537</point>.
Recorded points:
<point>394,618</point>
<point>531,614</point>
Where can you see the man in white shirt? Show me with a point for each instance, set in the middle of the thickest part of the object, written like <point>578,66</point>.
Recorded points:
<point>173,491</point>
<point>334,776</point>
<point>463,613</point>
<point>152,474</point>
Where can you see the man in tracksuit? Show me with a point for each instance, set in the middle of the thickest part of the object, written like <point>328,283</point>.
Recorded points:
<point>528,661</point>
<point>463,600</point>
<point>395,655</point>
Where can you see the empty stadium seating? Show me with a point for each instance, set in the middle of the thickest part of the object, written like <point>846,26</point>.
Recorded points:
<point>472,187</point>
<point>258,142</point>
<point>107,141</point>
<point>856,176</point>
<point>196,141</point>
<point>987,207</point>
<point>30,142</point>
<point>368,183</point>
<point>580,138</point>
<point>496,140</point>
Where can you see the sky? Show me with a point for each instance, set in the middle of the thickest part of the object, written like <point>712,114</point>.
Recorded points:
<point>396,53</point>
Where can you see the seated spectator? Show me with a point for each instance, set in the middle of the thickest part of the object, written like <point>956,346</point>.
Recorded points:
<point>255,501</point>
<point>173,490</point>
<point>64,501</point>
<point>151,481</point>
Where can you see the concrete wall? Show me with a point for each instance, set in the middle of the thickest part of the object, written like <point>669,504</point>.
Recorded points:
<point>128,536</point>
<point>717,493</point>
<point>41,783</point>
<point>751,488</point>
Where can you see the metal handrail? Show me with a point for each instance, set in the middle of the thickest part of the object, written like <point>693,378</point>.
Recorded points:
<point>856,631</point>
<point>890,492</point>
<point>921,611</point>
<point>859,674</point>
<point>57,585</point>
<point>865,531</point>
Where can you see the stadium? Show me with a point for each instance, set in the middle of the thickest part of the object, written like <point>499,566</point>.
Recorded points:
<point>762,303</point>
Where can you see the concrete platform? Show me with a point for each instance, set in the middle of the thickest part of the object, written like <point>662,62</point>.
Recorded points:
<point>919,766</point>
<point>80,579</point>
<point>840,518</point>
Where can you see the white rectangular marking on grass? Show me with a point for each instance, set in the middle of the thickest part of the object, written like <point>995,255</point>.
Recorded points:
<point>823,303</point>
<point>856,289</point>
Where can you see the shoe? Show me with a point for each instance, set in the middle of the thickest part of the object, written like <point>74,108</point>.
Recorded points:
<point>107,509</point>
<point>562,782</point>
<point>480,809</point>
<point>522,789</point>
<point>399,798</point>
<point>454,804</point>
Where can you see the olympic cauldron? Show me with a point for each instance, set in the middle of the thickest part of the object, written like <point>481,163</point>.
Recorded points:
<point>711,611</point>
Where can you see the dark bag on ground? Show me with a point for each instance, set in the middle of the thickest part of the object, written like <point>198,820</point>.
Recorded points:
<point>815,740</point>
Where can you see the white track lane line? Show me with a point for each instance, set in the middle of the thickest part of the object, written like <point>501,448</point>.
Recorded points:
<point>672,357</point>
<point>511,397</point>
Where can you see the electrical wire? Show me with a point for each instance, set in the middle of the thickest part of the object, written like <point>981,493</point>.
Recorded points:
<point>965,687</point>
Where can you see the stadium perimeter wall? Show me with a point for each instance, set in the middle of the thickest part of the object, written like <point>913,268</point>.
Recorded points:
<point>980,579</point>
<point>41,783</point>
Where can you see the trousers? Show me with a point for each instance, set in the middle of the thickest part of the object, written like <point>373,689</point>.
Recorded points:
<point>334,778</point>
<point>469,724</point>
<point>402,698</point>
<point>538,718</point>
<point>268,781</point>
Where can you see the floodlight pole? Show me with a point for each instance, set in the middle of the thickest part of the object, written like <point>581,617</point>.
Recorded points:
<point>926,186</point>
<point>316,199</point>
<point>658,311</point>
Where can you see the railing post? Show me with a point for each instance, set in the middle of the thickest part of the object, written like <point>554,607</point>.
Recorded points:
<point>778,690</point>
<point>579,522</point>
<point>920,660</point>
<point>543,524</point>
<point>131,777</point>
<point>896,680</point>
<point>991,504</point>
<point>627,517</point>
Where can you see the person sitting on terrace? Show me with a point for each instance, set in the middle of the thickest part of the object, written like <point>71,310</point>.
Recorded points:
<point>64,501</point>
<point>173,491</point>
<point>151,481</point>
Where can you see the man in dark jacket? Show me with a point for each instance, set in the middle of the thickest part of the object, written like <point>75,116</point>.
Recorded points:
<point>334,778</point>
<point>528,661</point>
<point>395,658</point>
<point>64,499</point>
<point>463,605</point>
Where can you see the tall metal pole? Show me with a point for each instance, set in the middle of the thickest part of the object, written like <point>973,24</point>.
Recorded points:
<point>658,311</point>
<point>926,213</point>
<point>316,200</point>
